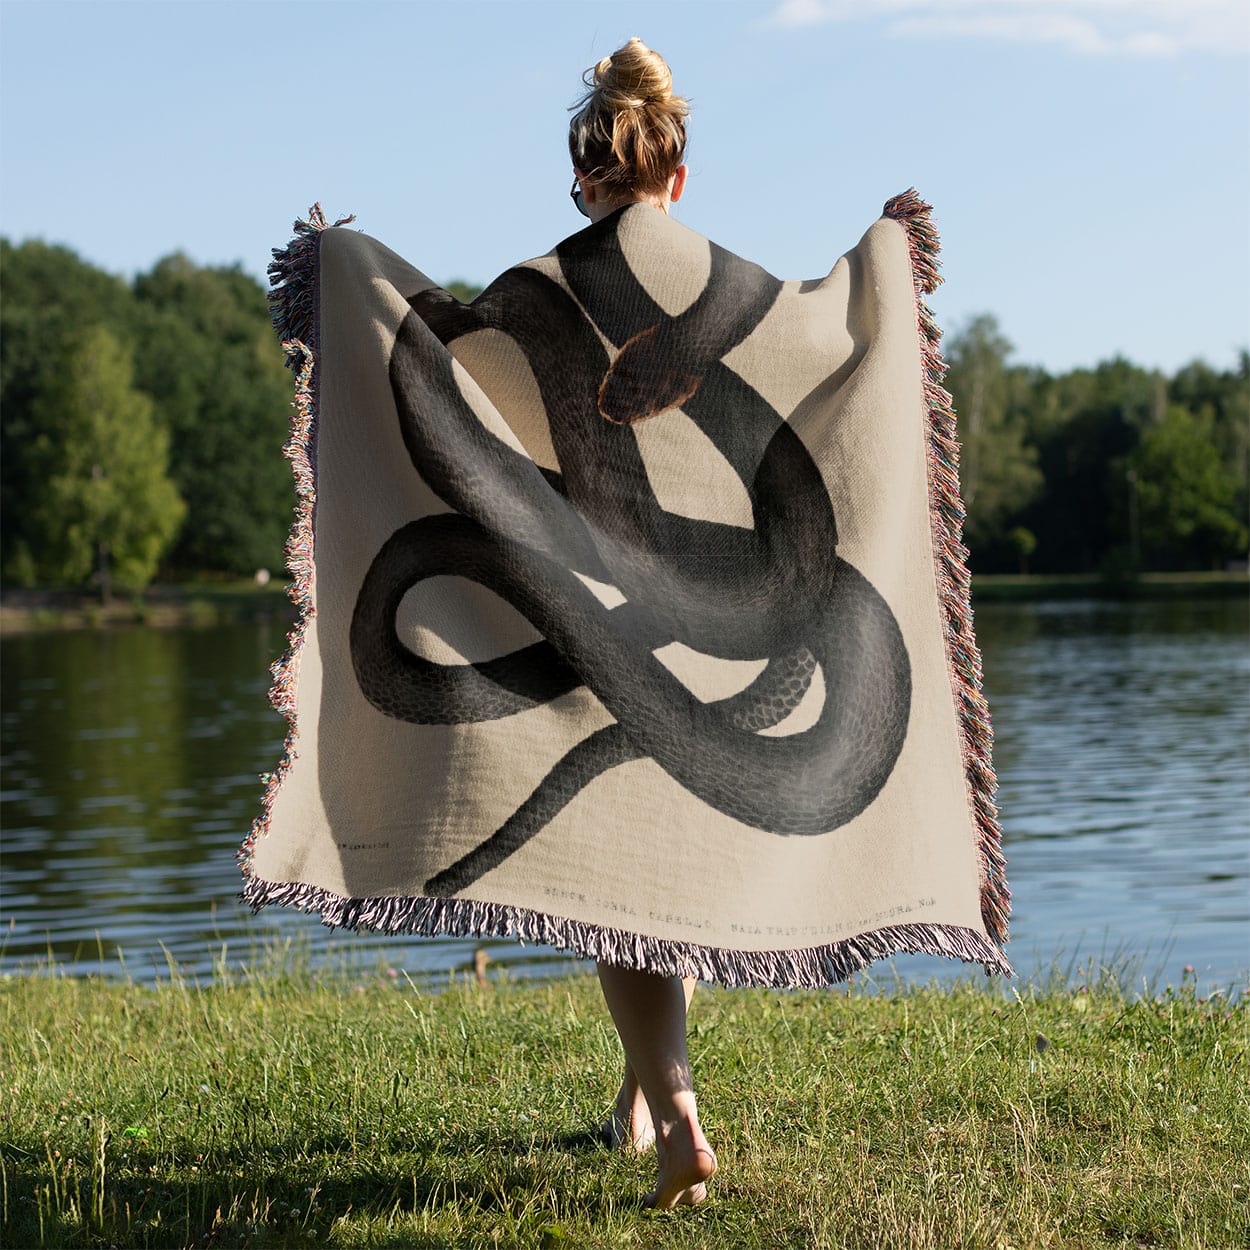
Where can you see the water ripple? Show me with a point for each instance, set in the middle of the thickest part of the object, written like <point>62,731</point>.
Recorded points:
<point>131,771</point>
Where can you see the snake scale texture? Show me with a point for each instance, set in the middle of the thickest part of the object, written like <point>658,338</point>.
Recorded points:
<point>777,591</point>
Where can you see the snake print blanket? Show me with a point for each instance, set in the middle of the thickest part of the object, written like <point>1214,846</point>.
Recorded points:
<point>634,615</point>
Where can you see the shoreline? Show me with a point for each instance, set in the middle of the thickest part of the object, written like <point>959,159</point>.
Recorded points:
<point>200,604</point>
<point>174,605</point>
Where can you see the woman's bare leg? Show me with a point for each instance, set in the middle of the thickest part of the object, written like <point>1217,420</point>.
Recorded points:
<point>650,1015</point>
<point>629,1125</point>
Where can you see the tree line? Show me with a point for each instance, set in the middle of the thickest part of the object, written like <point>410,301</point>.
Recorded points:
<point>142,423</point>
<point>1112,470</point>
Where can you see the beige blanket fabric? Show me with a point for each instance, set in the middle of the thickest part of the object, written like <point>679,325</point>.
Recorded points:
<point>634,614</point>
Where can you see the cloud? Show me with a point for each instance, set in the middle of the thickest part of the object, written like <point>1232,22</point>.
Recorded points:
<point>1135,28</point>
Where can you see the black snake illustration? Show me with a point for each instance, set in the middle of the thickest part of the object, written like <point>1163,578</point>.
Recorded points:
<point>777,591</point>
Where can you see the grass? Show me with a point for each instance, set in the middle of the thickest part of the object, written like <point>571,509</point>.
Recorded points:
<point>282,1107</point>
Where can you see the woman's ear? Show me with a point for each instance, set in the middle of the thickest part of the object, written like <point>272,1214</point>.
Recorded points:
<point>588,186</point>
<point>678,184</point>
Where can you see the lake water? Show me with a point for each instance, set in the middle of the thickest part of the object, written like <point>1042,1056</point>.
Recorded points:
<point>1122,737</point>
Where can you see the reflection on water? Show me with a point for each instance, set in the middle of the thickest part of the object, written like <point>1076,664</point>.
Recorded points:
<point>1124,739</point>
<point>131,762</point>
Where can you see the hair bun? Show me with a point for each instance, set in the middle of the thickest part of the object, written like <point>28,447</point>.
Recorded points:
<point>630,129</point>
<point>633,76</point>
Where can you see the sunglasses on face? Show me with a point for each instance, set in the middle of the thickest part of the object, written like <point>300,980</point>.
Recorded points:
<point>576,196</point>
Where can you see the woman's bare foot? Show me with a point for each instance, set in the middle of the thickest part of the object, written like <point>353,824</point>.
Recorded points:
<point>649,1011</point>
<point>629,1125</point>
<point>686,1165</point>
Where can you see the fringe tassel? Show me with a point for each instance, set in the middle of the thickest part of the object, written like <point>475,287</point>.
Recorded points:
<point>294,305</point>
<point>809,968</point>
<point>293,281</point>
<point>946,514</point>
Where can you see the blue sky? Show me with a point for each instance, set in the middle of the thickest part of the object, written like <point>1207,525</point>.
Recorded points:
<point>1088,160</point>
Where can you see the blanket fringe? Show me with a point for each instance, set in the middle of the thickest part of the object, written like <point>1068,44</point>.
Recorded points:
<point>808,968</point>
<point>293,280</point>
<point>293,305</point>
<point>947,512</point>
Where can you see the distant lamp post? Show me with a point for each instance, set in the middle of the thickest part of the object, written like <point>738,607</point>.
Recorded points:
<point>1134,528</point>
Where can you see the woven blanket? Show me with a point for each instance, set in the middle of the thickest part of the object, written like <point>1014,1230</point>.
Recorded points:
<point>633,613</point>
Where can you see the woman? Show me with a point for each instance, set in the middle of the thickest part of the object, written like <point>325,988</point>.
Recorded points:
<point>627,141</point>
<point>635,619</point>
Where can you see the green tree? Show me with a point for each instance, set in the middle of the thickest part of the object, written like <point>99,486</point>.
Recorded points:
<point>1185,495</point>
<point>998,473</point>
<point>51,299</point>
<point>105,506</point>
<point>1085,424</point>
<point>1222,397</point>
<point>1023,542</point>
<point>208,357</point>
<point>465,292</point>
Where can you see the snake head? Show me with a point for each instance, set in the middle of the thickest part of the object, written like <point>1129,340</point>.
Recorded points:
<point>644,381</point>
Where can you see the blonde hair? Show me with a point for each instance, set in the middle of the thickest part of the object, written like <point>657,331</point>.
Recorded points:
<point>629,133</point>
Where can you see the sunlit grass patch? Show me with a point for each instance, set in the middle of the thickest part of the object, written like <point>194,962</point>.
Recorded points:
<point>278,1107</point>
